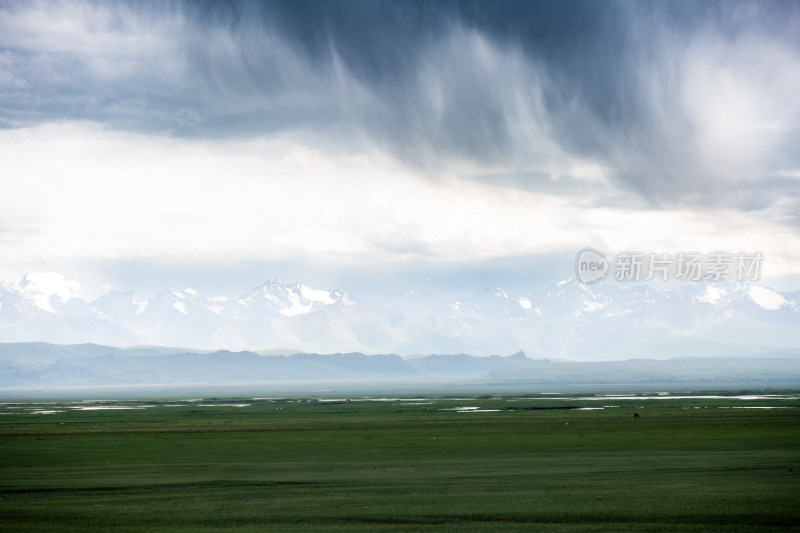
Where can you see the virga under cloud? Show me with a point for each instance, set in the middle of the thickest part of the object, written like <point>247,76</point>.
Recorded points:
<point>375,133</point>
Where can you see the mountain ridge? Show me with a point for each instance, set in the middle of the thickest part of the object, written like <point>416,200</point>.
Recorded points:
<point>46,366</point>
<point>567,320</point>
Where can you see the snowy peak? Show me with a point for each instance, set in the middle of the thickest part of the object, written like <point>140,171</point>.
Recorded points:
<point>46,290</point>
<point>719,293</point>
<point>499,304</point>
<point>572,298</point>
<point>185,294</point>
<point>766,298</point>
<point>315,295</point>
<point>741,295</point>
<point>292,300</point>
<point>121,305</point>
<point>187,302</point>
<point>500,293</point>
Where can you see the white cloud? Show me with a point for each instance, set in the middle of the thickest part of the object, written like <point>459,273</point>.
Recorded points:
<point>112,39</point>
<point>78,192</point>
<point>741,99</point>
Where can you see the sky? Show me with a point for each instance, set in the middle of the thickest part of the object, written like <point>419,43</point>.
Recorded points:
<point>382,146</point>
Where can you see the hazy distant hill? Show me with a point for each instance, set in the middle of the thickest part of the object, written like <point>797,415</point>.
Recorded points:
<point>43,365</point>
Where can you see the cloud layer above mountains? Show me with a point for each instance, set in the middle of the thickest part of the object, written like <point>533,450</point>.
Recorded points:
<point>394,137</point>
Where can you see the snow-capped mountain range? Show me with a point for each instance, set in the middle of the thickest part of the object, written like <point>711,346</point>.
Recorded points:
<point>569,320</point>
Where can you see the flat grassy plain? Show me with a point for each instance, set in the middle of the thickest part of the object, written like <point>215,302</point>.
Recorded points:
<point>518,463</point>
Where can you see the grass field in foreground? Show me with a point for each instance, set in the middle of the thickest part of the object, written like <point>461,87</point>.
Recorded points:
<point>692,464</point>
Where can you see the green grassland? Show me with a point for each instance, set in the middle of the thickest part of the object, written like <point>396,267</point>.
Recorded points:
<point>696,464</point>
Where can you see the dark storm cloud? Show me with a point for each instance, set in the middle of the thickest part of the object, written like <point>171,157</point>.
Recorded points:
<point>521,85</point>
